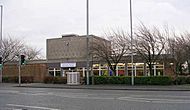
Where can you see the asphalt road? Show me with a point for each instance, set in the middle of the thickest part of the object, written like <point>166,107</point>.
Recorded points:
<point>15,98</point>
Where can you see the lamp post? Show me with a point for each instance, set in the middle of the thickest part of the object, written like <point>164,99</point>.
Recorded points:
<point>1,22</point>
<point>87,42</point>
<point>131,28</point>
<point>1,76</point>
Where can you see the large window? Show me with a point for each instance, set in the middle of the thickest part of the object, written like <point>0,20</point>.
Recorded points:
<point>54,72</point>
<point>120,71</point>
<point>138,69</point>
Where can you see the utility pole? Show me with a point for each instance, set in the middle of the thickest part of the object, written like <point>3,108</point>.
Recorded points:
<point>87,41</point>
<point>1,75</point>
<point>131,28</point>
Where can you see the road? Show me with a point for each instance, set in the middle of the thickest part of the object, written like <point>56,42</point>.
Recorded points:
<point>15,98</point>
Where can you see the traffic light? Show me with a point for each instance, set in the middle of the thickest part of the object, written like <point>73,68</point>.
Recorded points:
<point>22,59</point>
<point>1,62</point>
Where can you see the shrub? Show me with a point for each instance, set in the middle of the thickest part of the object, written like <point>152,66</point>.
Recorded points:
<point>119,80</point>
<point>140,80</point>
<point>55,80</point>
<point>161,80</point>
<point>48,79</point>
<point>100,80</point>
<point>59,80</point>
<point>182,80</point>
<point>14,79</point>
<point>6,79</point>
<point>188,80</point>
<point>10,79</point>
<point>27,79</point>
<point>153,80</point>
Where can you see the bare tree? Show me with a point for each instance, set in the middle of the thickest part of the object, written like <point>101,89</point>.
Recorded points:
<point>112,49</point>
<point>31,53</point>
<point>149,43</point>
<point>183,50</point>
<point>170,52</point>
<point>12,48</point>
<point>178,46</point>
<point>187,49</point>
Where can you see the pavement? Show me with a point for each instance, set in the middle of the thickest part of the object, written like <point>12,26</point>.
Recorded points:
<point>103,87</point>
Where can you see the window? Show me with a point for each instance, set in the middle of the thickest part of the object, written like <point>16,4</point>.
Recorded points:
<point>54,72</point>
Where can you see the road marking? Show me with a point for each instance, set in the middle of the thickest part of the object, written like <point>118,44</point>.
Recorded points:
<point>84,97</point>
<point>8,91</point>
<point>166,96</point>
<point>35,107</point>
<point>173,102</point>
<point>150,100</point>
<point>35,93</point>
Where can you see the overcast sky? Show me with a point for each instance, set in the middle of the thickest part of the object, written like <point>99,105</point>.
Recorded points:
<point>37,20</point>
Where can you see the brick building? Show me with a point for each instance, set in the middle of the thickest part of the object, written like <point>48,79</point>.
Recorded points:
<point>68,53</point>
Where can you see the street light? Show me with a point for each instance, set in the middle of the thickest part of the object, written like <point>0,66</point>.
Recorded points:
<point>131,28</point>
<point>87,41</point>
<point>1,40</point>
<point>1,22</point>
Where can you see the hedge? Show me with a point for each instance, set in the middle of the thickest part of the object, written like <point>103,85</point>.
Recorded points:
<point>55,80</point>
<point>14,79</point>
<point>111,80</point>
<point>141,80</point>
<point>181,80</point>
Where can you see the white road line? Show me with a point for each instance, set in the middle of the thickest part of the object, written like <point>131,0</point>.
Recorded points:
<point>35,107</point>
<point>85,97</point>
<point>172,102</point>
<point>133,99</point>
<point>8,91</point>
<point>150,100</point>
<point>35,94</point>
<point>166,96</point>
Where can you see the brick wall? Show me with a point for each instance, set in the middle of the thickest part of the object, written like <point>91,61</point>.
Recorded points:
<point>37,71</point>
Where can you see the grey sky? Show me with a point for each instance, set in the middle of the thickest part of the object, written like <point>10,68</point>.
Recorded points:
<point>36,20</point>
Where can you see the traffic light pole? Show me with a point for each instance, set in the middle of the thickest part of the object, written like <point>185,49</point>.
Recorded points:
<point>19,75</point>
<point>21,62</point>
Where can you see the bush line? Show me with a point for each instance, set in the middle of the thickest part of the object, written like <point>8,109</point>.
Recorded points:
<point>139,80</point>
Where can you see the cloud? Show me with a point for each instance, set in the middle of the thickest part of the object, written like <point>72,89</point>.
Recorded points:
<point>160,12</point>
<point>38,20</point>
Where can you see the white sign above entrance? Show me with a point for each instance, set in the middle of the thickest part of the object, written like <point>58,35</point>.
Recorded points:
<point>68,65</point>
